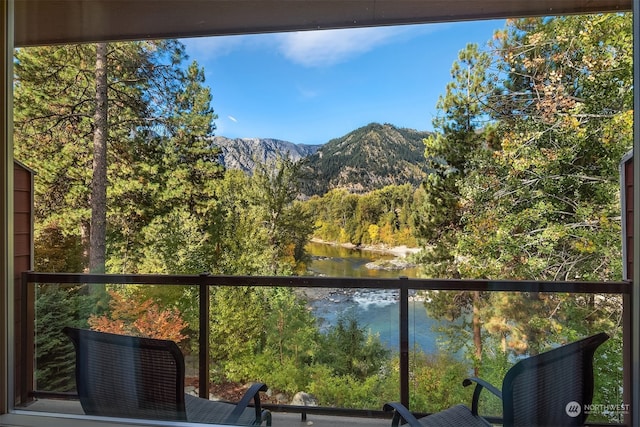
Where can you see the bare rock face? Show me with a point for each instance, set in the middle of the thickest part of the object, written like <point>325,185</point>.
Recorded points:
<point>244,153</point>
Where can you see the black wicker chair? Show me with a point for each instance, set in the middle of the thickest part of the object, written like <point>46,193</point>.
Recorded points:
<point>132,377</point>
<point>549,389</point>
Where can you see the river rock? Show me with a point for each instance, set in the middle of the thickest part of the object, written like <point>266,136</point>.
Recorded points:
<point>304,399</point>
<point>391,264</point>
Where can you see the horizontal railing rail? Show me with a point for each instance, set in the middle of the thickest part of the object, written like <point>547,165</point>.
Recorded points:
<point>402,284</point>
<point>621,287</point>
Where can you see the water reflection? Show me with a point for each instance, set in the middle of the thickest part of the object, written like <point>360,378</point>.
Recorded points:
<point>337,261</point>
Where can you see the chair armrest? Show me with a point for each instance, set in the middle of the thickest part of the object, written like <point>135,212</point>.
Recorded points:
<point>253,393</point>
<point>400,412</point>
<point>480,384</point>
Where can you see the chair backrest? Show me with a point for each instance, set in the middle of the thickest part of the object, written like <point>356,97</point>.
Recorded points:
<point>129,377</point>
<point>551,389</point>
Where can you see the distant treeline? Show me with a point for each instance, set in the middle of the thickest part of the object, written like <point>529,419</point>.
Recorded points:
<point>389,216</point>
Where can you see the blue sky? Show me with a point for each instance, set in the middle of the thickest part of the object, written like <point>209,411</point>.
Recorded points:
<point>311,87</point>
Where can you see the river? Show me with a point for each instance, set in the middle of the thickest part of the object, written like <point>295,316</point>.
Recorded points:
<point>337,261</point>
<point>375,310</point>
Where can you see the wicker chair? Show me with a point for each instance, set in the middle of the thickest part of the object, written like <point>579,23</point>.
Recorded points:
<point>549,389</point>
<point>132,377</point>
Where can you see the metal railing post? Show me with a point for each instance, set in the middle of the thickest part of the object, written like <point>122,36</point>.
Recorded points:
<point>203,337</point>
<point>404,341</point>
<point>25,369</point>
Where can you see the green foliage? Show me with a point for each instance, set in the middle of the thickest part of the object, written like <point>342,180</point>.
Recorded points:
<point>290,341</point>
<point>608,380</point>
<point>292,332</point>
<point>288,227</point>
<point>436,382</point>
<point>349,350</point>
<point>175,244</point>
<point>56,252</point>
<point>286,375</point>
<point>57,307</point>
<point>171,178</point>
<point>347,391</point>
<point>54,107</point>
<point>366,159</point>
<point>535,191</point>
<point>381,217</point>
<point>236,244</point>
<point>236,328</point>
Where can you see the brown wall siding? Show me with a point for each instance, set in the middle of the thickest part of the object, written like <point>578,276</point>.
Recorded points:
<point>23,261</point>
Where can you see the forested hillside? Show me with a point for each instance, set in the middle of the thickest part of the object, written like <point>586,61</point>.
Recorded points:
<point>367,159</point>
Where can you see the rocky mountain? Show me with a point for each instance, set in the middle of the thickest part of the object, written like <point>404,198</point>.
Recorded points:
<point>368,158</point>
<point>243,153</point>
<point>365,159</point>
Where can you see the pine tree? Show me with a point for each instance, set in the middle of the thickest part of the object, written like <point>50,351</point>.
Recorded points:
<point>450,154</point>
<point>287,227</point>
<point>540,201</point>
<point>55,114</point>
<point>545,205</point>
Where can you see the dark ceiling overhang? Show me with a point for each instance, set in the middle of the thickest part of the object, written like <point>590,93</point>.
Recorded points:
<point>40,22</point>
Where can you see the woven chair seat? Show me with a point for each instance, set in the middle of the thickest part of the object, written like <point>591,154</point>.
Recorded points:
<point>456,416</point>
<point>216,412</point>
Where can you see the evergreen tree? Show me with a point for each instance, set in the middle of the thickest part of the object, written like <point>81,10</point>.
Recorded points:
<point>461,131</point>
<point>539,199</point>
<point>450,154</point>
<point>175,189</point>
<point>545,206</point>
<point>287,227</point>
<point>349,350</point>
<point>55,112</point>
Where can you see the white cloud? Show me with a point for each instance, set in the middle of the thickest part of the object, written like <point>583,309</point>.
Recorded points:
<point>307,93</point>
<point>330,47</point>
<point>233,119</point>
<point>207,48</point>
<point>318,48</point>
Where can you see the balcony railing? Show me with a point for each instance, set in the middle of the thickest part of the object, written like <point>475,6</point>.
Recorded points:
<point>403,285</point>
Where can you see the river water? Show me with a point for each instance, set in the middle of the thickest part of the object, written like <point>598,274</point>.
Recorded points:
<point>336,261</point>
<point>376,310</point>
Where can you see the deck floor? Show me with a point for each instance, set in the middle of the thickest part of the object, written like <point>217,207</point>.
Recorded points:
<point>280,419</point>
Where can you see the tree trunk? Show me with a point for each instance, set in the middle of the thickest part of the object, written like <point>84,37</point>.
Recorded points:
<point>97,250</point>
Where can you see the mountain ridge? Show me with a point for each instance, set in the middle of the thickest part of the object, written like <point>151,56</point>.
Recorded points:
<point>368,158</point>
<point>365,159</point>
<point>244,153</point>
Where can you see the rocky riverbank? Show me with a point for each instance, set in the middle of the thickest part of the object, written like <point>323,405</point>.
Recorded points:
<point>390,264</point>
<point>399,251</point>
<point>395,260</point>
